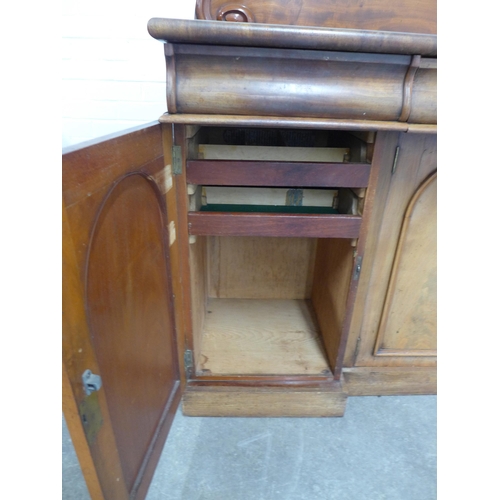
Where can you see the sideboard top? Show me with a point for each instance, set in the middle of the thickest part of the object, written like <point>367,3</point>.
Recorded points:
<point>291,37</point>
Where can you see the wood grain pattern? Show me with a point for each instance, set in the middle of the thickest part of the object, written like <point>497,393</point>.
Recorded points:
<point>367,201</point>
<point>234,12</point>
<point>199,289</point>
<point>424,98</point>
<point>99,461</point>
<point>127,311</point>
<point>279,174</point>
<point>260,268</point>
<point>318,84</point>
<point>408,88</point>
<point>291,122</point>
<point>409,319</point>
<point>376,195</point>
<point>171,78</point>
<point>332,277</point>
<point>300,37</point>
<point>283,225</point>
<point>155,449</point>
<point>183,275</point>
<point>381,381</point>
<point>264,402</point>
<point>174,249</point>
<point>119,272</point>
<point>411,16</point>
<point>261,336</point>
<point>417,160</point>
<point>79,441</point>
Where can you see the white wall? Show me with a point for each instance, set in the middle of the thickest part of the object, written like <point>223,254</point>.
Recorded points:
<point>113,71</point>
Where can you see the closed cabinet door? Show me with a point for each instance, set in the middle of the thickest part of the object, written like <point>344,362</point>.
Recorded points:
<point>121,381</point>
<point>395,315</point>
<point>408,323</point>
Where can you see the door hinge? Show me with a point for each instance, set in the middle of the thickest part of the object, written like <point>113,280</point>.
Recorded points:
<point>395,162</point>
<point>357,267</point>
<point>188,362</point>
<point>176,160</point>
<point>89,409</point>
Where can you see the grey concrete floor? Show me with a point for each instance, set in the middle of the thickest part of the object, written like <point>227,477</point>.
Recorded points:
<point>384,448</point>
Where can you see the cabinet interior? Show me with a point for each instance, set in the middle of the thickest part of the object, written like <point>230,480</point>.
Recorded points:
<point>268,305</point>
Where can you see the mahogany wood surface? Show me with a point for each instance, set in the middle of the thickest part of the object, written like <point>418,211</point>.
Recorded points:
<point>128,314</point>
<point>129,263</point>
<point>408,88</point>
<point>234,12</point>
<point>418,16</point>
<point>423,96</point>
<point>183,273</point>
<point>396,186</point>
<point>383,156</point>
<point>298,83</point>
<point>98,458</point>
<point>169,183</point>
<point>379,160</point>
<point>296,37</point>
<point>294,122</point>
<point>361,381</point>
<point>408,326</point>
<point>171,78</point>
<point>275,224</point>
<point>116,222</point>
<point>278,174</point>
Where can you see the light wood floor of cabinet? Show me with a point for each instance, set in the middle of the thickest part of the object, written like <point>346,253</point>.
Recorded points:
<point>261,337</point>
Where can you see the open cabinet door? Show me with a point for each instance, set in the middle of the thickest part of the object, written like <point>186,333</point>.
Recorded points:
<point>117,311</point>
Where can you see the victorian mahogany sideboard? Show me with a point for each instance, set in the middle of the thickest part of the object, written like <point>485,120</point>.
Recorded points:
<point>268,248</point>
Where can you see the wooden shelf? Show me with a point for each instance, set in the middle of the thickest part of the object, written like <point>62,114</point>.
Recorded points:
<point>273,224</point>
<point>261,337</point>
<point>279,174</point>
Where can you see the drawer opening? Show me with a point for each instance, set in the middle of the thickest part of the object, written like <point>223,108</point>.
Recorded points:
<point>267,306</point>
<point>286,145</point>
<point>276,200</point>
<point>248,211</point>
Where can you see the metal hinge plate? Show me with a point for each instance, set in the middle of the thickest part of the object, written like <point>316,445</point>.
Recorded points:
<point>90,414</point>
<point>188,362</point>
<point>356,350</point>
<point>176,160</point>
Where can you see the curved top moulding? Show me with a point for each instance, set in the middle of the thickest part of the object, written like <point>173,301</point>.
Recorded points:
<point>291,37</point>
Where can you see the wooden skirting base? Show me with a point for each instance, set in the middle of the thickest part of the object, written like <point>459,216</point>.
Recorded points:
<point>264,401</point>
<point>390,381</point>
